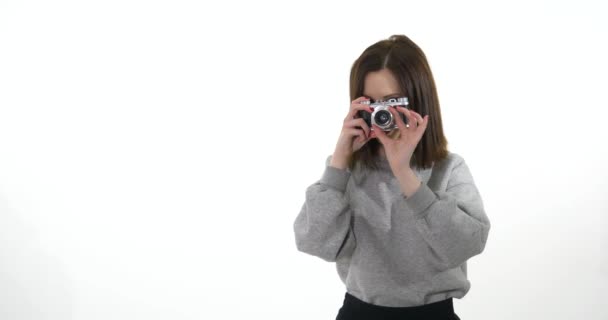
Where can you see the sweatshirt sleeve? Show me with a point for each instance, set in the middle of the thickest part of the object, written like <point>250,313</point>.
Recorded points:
<point>453,222</point>
<point>323,227</point>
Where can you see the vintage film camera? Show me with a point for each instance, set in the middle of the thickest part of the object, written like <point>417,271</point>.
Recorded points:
<point>381,116</point>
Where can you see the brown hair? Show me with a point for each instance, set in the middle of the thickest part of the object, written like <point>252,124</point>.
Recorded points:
<point>408,64</point>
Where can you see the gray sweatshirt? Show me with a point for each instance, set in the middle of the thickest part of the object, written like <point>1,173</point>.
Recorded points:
<point>391,250</point>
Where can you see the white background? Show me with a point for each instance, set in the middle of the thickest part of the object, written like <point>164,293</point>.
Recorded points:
<point>154,154</point>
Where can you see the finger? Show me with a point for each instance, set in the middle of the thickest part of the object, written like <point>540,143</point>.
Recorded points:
<point>352,132</point>
<point>361,98</point>
<point>380,134</point>
<point>364,137</point>
<point>396,114</point>
<point>425,121</point>
<point>411,117</point>
<point>360,137</point>
<point>417,116</point>
<point>422,122</point>
<point>356,107</point>
<point>358,122</point>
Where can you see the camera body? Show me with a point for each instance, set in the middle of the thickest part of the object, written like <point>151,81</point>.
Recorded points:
<point>381,116</point>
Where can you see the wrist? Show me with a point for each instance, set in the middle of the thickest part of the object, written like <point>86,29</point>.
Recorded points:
<point>408,181</point>
<point>339,161</point>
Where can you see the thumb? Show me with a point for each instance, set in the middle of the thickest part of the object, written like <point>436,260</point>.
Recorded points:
<point>380,134</point>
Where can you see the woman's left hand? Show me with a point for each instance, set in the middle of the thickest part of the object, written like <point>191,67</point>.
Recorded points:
<point>399,151</point>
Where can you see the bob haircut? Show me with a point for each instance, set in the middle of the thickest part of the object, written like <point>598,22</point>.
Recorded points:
<point>407,62</point>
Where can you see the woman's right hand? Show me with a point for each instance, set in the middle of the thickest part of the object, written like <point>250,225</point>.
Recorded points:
<point>354,135</point>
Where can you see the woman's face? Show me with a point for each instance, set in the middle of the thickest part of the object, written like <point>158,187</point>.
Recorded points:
<point>381,85</point>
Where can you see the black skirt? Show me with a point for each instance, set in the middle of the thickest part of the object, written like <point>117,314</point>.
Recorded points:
<point>356,309</point>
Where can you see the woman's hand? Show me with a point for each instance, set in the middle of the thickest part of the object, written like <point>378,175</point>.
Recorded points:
<point>399,151</point>
<point>354,135</point>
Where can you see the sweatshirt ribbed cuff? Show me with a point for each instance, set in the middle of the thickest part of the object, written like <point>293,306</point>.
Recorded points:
<point>335,178</point>
<point>420,200</point>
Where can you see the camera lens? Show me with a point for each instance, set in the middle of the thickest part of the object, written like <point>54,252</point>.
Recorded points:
<point>382,117</point>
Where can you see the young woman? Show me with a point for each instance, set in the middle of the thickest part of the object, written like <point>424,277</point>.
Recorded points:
<point>397,212</point>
